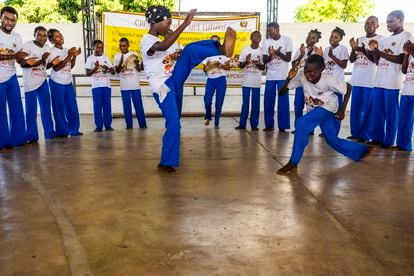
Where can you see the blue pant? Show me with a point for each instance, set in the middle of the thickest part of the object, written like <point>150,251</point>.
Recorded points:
<point>42,95</point>
<point>15,133</point>
<point>102,107</point>
<point>326,120</point>
<point>361,103</point>
<point>65,108</point>
<point>218,85</point>
<point>384,115</point>
<point>254,115</point>
<point>192,54</point>
<point>337,123</point>
<point>135,97</point>
<point>179,94</point>
<point>299,103</point>
<point>283,117</point>
<point>406,121</point>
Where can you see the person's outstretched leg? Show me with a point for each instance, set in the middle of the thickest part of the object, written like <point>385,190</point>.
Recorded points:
<point>353,150</point>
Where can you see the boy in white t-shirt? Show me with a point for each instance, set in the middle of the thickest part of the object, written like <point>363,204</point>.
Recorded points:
<point>127,66</point>
<point>216,68</point>
<point>163,82</point>
<point>406,113</point>
<point>362,80</point>
<point>336,59</point>
<point>36,86</point>
<point>323,110</point>
<point>98,66</point>
<point>277,53</point>
<point>251,61</point>
<point>388,81</point>
<point>12,133</point>
<point>300,58</point>
<point>65,107</point>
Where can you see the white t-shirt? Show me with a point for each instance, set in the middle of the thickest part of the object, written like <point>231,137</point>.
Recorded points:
<point>219,72</point>
<point>99,78</point>
<point>323,90</point>
<point>9,42</point>
<point>64,75</point>
<point>333,69</point>
<point>408,88</point>
<point>277,69</point>
<point>308,52</point>
<point>128,77</point>
<point>252,76</point>
<point>156,67</point>
<point>389,74</point>
<point>33,77</point>
<point>363,72</point>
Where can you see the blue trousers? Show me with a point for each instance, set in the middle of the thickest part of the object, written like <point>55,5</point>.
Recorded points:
<point>179,94</point>
<point>361,103</point>
<point>135,97</point>
<point>218,85</point>
<point>102,110</point>
<point>384,115</point>
<point>42,95</point>
<point>65,108</point>
<point>254,115</point>
<point>192,54</point>
<point>337,123</point>
<point>299,103</point>
<point>283,117</point>
<point>326,120</point>
<point>406,121</point>
<point>13,133</point>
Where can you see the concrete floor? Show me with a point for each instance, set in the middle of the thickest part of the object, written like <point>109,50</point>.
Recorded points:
<point>97,205</point>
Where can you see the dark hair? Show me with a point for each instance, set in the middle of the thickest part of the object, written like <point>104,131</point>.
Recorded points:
<point>316,59</point>
<point>273,25</point>
<point>315,31</point>
<point>254,32</point>
<point>156,14</point>
<point>373,17</point>
<point>97,41</point>
<point>39,28</point>
<point>215,36</point>
<point>10,10</point>
<point>50,34</point>
<point>339,31</point>
<point>398,14</point>
<point>124,39</point>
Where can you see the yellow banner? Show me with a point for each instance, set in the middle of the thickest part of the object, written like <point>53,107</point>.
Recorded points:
<point>133,26</point>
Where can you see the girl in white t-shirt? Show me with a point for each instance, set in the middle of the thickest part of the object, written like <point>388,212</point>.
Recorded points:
<point>336,59</point>
<point>406,112</point>
<point>323,110</point>
<point>127,65</point>
<point>300,58</point>
<point>164,82</point>
<point>65,108</point>
<point>98,66</point>
<point>251,61</point>
<point>36,87</point>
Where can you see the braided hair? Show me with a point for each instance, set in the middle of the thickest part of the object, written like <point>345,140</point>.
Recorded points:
<point>315,31</point>
<point>156,14</point>
<point>339,31</point>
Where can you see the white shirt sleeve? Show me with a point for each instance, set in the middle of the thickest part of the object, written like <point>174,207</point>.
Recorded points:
<point>90,62</point>
<point>343,54</point>
<point>336,85</point>
<point>243,55</point>
<point>117,59</point>
<point>289,46</point>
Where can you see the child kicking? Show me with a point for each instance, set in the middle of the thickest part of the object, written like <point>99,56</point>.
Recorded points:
<point>322,104</point>
<point>128,65</point>
<point>97,66</point>
<point>164,82</point>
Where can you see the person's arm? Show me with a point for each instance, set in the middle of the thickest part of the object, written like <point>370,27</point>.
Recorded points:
<point>118,67</point>
<point>167,42</point>
<point>398,59</point>
<point>302,51</point>
<point>340,115</point>
<point>285,57</point>
<point>405,63</point>
<point>341,63</point>
<point>73,60</point>
<point>285,87</point>
<point>246,61</point>
<point>90,72</point>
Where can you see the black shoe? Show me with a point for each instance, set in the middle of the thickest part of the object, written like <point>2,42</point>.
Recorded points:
<point>61,136</point>
<point>255,128</point>
<point>167,169</point>
<point>351,138</point>
<point>97,130</point>
<point>373,143</point>
<point>239,128</point>
<point>77,134</point>
<point>268,129</point>
<point>128,128</point>
<point>282,130</point>
<point>385,146</point>
<point>144,127</point>
<point>30,143</point>
<point>109,129</point>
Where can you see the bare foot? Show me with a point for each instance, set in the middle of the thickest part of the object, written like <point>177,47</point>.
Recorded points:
<point>229,42</point>
<point>207,122</point>
<point>167,169</point>
<point>289,167</point>
<point>368,152</point>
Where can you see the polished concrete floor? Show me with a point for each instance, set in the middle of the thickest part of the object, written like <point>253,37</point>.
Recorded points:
<point>96,205</point>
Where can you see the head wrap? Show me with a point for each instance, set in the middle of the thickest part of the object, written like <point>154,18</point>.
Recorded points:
<point>156,14</point>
